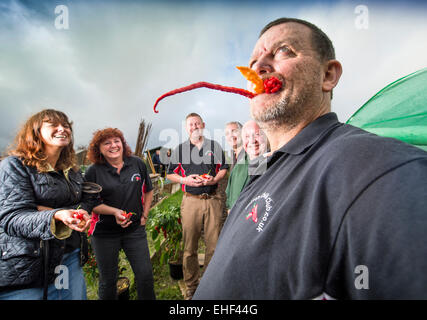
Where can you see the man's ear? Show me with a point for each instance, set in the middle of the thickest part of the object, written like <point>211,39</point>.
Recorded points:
<point>332,74</point>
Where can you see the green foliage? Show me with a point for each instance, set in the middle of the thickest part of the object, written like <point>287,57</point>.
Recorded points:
<point>91,268</point>
<point>164,226</point>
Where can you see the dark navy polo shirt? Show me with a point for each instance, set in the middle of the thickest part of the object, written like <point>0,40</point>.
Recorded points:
<point>188,159</point>
<point>339,212</point>
<point>123,191</point>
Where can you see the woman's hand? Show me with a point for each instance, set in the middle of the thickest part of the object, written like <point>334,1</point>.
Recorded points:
<point>143,220</point>
<point>78,220</point>
<point>120,218</point>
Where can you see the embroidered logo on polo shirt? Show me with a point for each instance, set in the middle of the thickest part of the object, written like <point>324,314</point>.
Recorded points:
<point>253,214</point>
<point>136,177</point>
<point>260,210</point>
<point>209,153</point>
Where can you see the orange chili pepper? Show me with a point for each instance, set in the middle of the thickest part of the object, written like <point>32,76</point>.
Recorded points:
<point>205,175</point>
<point>253,77</point>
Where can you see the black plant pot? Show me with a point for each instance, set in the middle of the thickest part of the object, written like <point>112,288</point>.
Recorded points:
<point>123,285</point>
<point>175,271</point>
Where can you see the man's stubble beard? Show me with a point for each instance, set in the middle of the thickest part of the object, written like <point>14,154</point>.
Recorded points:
<point>282,113</point>
<point>287,113</point>
<point>197,135</point>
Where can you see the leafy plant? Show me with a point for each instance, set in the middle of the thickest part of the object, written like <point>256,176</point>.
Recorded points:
<point>165,228</point>
<point>91,268</point>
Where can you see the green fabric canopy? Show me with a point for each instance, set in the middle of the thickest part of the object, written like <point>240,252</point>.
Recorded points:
<point>398,111</point>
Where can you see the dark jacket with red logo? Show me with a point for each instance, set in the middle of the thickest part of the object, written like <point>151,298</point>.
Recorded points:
<point>123,191</point>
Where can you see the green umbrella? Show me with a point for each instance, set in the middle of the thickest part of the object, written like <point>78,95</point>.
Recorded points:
<point>398,111</point>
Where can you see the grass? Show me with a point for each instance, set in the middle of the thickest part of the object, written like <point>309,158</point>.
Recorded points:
<point>174,199</point>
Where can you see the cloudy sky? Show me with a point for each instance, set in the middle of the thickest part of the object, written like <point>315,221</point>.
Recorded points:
<point>106,62</point>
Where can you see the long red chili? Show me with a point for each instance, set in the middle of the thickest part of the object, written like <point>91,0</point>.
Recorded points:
<point>208,85</point>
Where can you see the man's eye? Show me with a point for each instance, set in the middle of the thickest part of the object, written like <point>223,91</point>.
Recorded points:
<point>284,50</point>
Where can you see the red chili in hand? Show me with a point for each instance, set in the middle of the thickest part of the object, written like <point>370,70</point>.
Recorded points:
<point>208,85</point>
<point>80,216</point>
<point>127,215</point>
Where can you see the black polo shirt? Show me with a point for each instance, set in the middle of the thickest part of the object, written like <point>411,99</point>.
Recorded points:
<point>339,213</point>
<point>123,191</point>
<point>188,159</point>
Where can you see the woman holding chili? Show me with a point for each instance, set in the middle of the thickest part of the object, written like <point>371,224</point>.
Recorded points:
<point>40,192</point>
<point>126,187</point>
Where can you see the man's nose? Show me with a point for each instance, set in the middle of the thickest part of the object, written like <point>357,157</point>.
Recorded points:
<point>263,65</point>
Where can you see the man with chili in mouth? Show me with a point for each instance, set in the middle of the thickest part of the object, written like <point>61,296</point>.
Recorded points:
<point>339,212</point>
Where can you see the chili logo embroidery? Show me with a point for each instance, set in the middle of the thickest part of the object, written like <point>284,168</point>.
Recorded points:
<point>136,177</point>
<point>253,214</point>
<point>261,210</point>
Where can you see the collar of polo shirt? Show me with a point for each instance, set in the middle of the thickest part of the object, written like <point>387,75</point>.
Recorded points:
<point>310,134</point>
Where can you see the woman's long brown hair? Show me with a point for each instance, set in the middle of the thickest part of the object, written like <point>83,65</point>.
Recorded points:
<point>29,145</point>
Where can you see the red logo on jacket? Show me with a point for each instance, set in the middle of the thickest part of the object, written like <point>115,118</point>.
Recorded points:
<point>253,214</point>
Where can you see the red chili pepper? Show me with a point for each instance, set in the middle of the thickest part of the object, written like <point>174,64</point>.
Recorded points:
<point>127,215</point>
<point>179,220</point>
<point>78,215</point>
<point>208,85</point>
<point>205,175</point>
<point>272,85</point>
<point>164,233</point>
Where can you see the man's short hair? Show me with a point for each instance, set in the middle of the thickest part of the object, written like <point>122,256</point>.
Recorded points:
<point>237,123</point>
<point>320,41</point>
<point>193,114</point>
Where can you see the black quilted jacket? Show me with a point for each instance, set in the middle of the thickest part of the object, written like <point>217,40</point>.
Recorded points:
<point>23,227</point>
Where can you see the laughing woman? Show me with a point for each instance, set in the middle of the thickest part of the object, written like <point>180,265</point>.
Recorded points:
<point>40,194</point>
<point>126,187</point>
